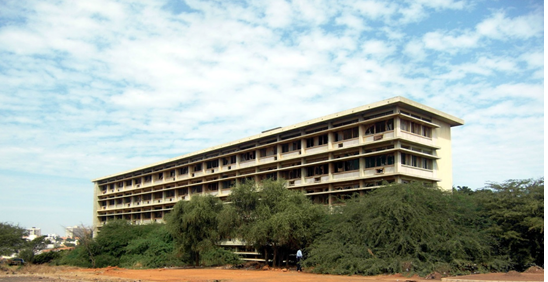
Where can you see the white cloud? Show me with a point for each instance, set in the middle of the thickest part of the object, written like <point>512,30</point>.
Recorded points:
<point>415,50</point>
<point>278,13</point>
<point>499,26</point>
<point>374,9</point>
<point>352,21</point>
<point>447,42</point>
<point>377,48</point>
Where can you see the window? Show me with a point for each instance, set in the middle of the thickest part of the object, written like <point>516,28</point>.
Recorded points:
<point>317,170</point>
<point>183,170</point>
<point>212,187</point>
<point>212,164</point>
<point>310,142</point>
<point>198,167</point>
<point>273,176</point>
<point>196,189</point>
<point>229,160</point>
<point>347,165</point>
<point>378,127</point>
<point>268,152</point>
<point>415,128</point>
<point>227,184</point>
<point>322,139</point>
<point>292,174</point>
<point>381,160</point>
<point>346,134</point>
<point>247,156</point>
<point>290,147</point>
<point>416,161</point>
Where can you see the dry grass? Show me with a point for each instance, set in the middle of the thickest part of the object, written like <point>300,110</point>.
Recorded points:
<point>43,269</point>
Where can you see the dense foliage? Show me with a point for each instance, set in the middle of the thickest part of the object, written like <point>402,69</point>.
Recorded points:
<point>11,238</point>
<point>193,224</point>
<point>125,245</point>
<point>406,228</point>
<point>515,210</point>
<point>270,216</point>
<point>403,228</point>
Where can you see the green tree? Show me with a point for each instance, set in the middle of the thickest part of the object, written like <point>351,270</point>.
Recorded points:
<point>32,247</point>
<point>516,210</point>
<point>271,216</point>
<point>152,248</point>
<point>402,228</point>
<point>11,238</point>
<point>193,224</point>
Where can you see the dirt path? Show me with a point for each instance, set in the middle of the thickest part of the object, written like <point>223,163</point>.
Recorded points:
<point>199,275</point>
<point>111,274</point>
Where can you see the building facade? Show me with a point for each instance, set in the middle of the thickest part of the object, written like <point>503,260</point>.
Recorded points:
<point>327,158</point>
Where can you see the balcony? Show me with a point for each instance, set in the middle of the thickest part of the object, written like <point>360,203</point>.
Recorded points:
<point>291,154</point>
<point>378,137</point>
<point>317,149</point>
<point>346,174</point>
<point>416,171</point>
<point>346,143</point>
<point>317,179</point>
<point>294,182</point>
<point>247,163</point>
<point>416,138</point>
<point>372,171</point>
<point>268,159</point>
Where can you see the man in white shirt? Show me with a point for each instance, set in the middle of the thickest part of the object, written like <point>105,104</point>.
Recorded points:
<point>299,258</point>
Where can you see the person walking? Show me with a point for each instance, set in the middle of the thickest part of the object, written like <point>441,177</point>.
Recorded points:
<point>299,258</point>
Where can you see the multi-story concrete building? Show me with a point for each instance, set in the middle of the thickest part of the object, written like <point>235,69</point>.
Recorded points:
<point>328,158</point>
<point>33,233</point>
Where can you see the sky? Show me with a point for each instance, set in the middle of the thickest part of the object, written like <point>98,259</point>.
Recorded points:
<point>93,88</point>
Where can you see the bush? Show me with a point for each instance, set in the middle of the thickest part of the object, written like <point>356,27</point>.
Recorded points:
<point>403,229</point>
<point>219,256</point>
<point>47,257</point>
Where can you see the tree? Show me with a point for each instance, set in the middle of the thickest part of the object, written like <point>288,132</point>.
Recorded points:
<point>194,224</point>
<point>271,216</point>
<point>403,228</point>
<point>11,238</point>
<point>32,247</point>
<point>516,210</point>
<point>88,247</point>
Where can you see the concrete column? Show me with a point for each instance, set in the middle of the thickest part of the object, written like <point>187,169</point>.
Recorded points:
<point>362,166</point>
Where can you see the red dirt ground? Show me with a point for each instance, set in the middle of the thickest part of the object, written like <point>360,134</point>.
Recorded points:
<point>110,274</point>
<point>217,274</point>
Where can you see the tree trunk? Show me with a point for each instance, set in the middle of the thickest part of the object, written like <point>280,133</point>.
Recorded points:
<point>275,259</point>
<point>266,255</point>
<point>287,260</point>
<point>197,259</point>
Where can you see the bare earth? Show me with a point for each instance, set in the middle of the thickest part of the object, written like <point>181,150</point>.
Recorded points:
<point>49,274</point>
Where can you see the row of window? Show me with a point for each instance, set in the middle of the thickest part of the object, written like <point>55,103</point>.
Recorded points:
<point>378,127</point>
<point>323,169</point>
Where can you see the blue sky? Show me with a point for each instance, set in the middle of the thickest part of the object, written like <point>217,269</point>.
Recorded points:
<point>91,88</point>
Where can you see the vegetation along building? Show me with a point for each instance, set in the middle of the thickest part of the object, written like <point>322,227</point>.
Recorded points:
<point>328,158</point>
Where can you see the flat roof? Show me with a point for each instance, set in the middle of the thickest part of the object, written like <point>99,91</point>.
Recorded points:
<point>398,100</point>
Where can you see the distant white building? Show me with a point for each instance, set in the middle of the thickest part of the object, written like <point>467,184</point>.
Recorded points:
<point>33,233</point>
<point>74,231</point>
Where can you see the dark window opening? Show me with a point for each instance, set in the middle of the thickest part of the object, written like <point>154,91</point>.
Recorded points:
<point>381,160</point>
<point>349,165</point>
